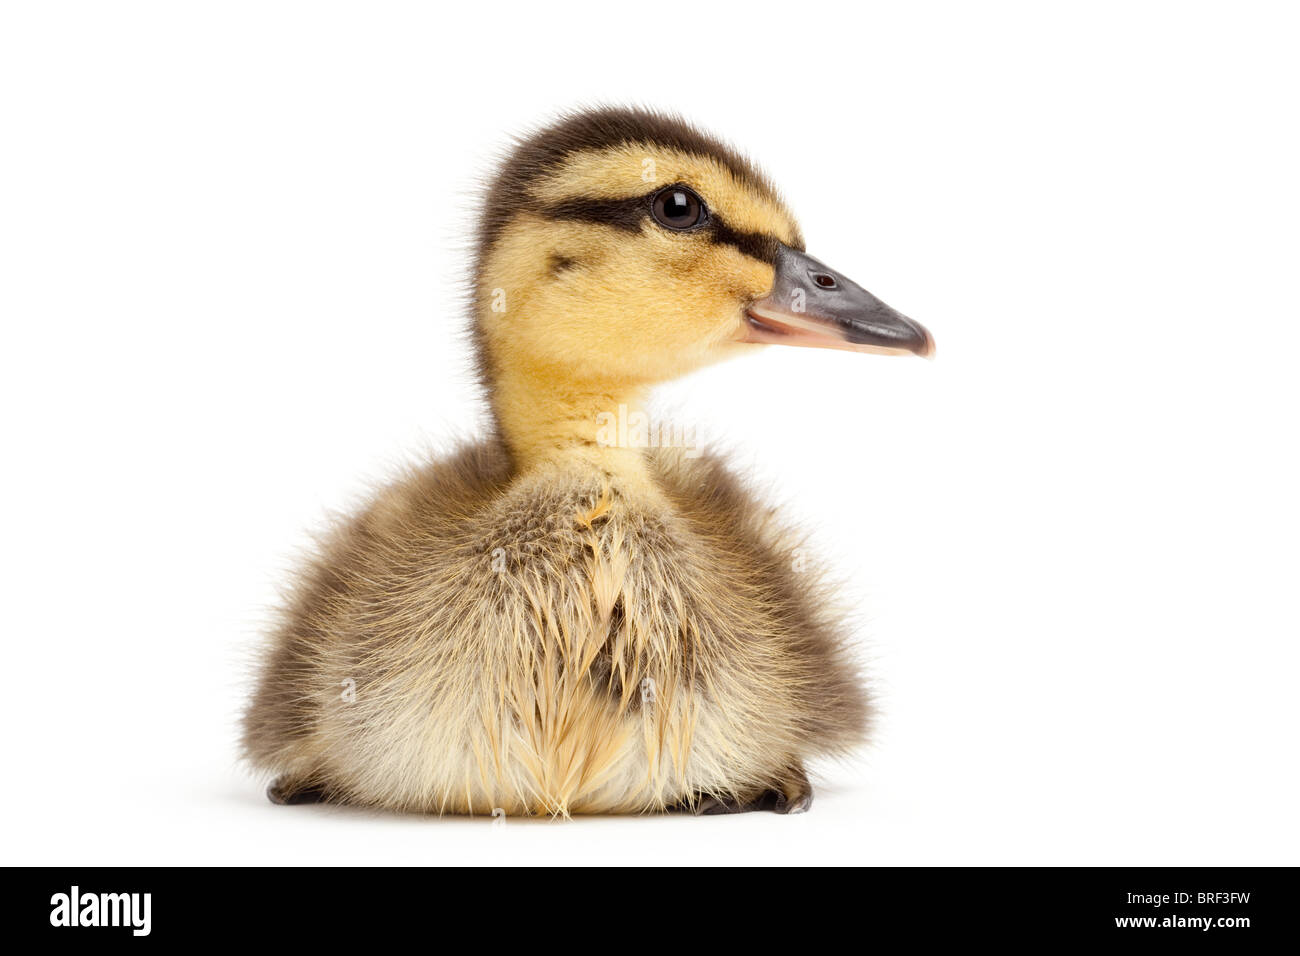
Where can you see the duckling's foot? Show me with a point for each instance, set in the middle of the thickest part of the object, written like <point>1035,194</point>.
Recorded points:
<point>286,792</point>
<point>792,795</point>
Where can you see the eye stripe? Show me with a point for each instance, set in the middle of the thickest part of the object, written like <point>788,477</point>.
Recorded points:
<point>756,245</point>
<point>625,214</point>
<point>629,213</point>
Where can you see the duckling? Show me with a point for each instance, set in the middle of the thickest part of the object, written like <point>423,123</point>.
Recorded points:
<point>553,620</point>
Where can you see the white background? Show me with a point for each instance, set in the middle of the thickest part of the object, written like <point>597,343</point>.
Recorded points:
<point>231,251</point>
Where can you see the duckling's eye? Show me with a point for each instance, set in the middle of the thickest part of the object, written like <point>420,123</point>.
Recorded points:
<point>678,208</point>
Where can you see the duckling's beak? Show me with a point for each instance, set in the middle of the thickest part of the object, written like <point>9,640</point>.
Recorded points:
<point>813,305</point>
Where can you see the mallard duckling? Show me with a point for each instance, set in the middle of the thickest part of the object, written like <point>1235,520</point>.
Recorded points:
<point>554,620</point>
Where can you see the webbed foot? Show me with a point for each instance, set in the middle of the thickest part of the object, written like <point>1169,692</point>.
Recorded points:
<point>794,794</point>
<point>286,792</point>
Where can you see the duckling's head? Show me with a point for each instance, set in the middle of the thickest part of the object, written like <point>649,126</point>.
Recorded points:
<point>623,247</point>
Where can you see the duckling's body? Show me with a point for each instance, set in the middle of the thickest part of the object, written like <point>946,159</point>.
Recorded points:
<point>560,642</point>
<point>553,622</point>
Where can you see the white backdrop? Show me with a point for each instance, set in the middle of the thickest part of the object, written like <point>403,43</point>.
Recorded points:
<point>231,249</point>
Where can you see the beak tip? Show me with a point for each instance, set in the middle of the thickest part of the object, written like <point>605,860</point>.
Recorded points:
<point>926,349</point>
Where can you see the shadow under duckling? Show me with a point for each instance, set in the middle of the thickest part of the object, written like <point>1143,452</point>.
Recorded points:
<point>559,620</point>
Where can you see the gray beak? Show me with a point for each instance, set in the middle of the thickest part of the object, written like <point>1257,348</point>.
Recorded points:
<point>813,305</point>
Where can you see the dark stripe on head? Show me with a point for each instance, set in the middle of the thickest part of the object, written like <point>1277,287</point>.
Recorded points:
<point>625,214</point>
<point>757,245</point>
<point>629,213</point>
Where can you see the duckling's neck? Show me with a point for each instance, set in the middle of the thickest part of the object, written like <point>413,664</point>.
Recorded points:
<point>549,420</point>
